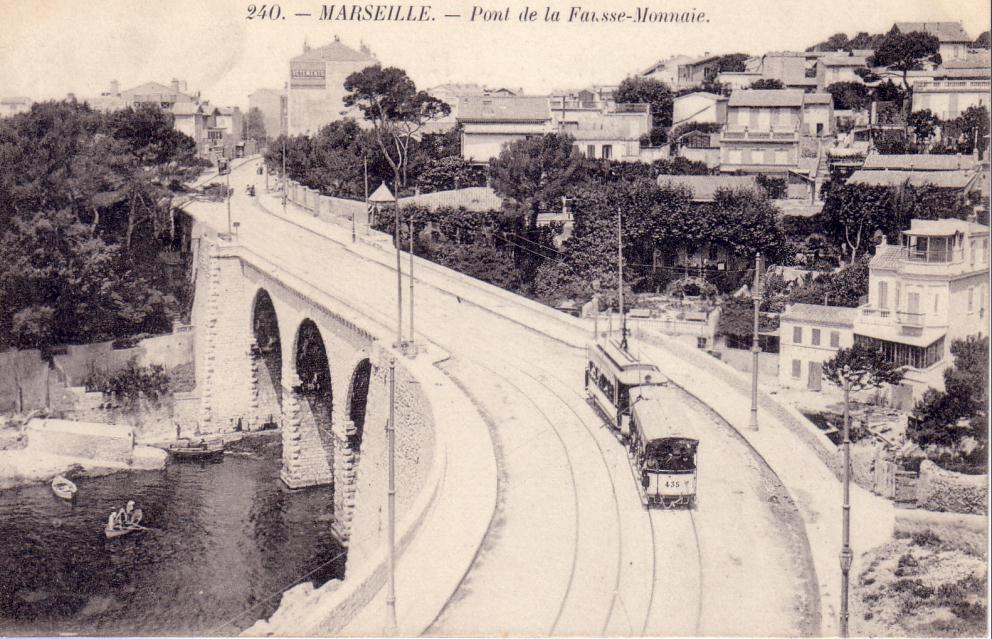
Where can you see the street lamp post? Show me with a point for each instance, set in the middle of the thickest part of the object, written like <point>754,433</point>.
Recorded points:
<point>846,556</point>
<point>412,339</point>
<point>229,203</point>
<point>391,502</point>
<point>399,277</point>
<point>284,175</point>
<point>759,267</point>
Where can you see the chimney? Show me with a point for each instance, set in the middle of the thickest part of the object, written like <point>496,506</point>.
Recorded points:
<point>175,85</point>
<point>115,87</point>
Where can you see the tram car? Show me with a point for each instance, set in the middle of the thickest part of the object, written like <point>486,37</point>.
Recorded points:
<point>662,448</point>
<point>611,373</point>
<point>646,413</point>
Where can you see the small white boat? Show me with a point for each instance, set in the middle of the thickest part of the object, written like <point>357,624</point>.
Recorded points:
<point>63,487</point>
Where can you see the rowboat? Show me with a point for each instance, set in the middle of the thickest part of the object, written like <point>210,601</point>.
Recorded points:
<point>198,450</point>
<point>63,487</point>
<point>118,532</point>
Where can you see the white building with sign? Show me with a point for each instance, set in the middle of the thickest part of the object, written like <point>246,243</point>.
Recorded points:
<point>316,85</point>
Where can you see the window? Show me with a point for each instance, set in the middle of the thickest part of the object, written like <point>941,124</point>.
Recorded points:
<point>905,354</point>
<point>797,334</point>
<point>974,250</point>
<point>971,298</point>
<point>797,369</point>
<point>834,339</point>
<point>815,337</point>
<point>607,151</point>
<point>700,342</point>
<point>590,150</point>
<point>883,295</point>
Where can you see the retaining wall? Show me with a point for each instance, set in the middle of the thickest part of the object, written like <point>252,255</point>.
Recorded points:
<point>105,442</point>
<point>946,491</point>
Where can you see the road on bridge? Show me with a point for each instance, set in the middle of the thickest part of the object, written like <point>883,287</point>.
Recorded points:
<point>570,551</point>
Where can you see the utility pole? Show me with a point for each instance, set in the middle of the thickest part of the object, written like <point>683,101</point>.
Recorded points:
<point>623,316</point>
<point>399,272</point>
<point>412,338</point>
<point>391,628</point>
<point>756,294</point>
<point>846,556</point>
<point>229,202</point>
<point>284,175</point>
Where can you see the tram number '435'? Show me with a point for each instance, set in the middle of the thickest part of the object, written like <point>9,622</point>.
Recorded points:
<point>674,483</point>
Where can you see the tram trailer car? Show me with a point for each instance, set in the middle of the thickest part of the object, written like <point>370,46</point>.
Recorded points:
<point>611,374</point>
<point>663,448</point>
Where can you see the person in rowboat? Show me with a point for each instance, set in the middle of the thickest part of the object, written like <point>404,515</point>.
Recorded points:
<point>113,523</point>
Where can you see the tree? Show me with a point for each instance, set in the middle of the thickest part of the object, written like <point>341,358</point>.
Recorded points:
<point>845,287</point>
<point>982,41</point>
<point>906,52</point>
<point>948,418</point>
<point>389,100</point>
<point>639,89</point>
<point>767,83</point>
<point>924,124</point>
<point>732,63</point>
<point>850,95</point>
<point>534,173</point>
<point>970,127</point>
<point>450,173</point>
<point>853,212</point>
<point>255,125</point>
<point>866,74</point>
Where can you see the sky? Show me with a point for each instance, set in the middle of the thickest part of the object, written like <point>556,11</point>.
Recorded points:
<point>49,48</point>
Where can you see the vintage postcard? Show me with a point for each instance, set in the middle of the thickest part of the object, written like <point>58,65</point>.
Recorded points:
<point>494,318</point>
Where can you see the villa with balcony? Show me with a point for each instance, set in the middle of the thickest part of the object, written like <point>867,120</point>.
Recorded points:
<point>925,293</point>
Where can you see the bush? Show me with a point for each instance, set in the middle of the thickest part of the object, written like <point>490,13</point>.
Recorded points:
<point>926,538</point>
<point>130,384</point>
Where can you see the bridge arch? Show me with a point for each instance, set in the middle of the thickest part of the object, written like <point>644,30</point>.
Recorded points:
<point>314,395</point>
<point>266,355</point>
<point>358,397</point>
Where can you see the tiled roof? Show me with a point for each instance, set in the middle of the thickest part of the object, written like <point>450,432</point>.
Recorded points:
<point>945,31</point>
<point>504,108</point>
<point>939,179</point>
<point>919,162</point>
<point>476,198</point>
<point>704,187</point>
<point>887,256</point>
<point>185,108</point>
<point>973,60</point>
<point>820,314</point>
<point>944,227</point>
<point>969,72</point>
<point>766,98</point>
<point>334,52</point>
<point>661,64</point>
<point>704,94</point>
<point>818,98</point>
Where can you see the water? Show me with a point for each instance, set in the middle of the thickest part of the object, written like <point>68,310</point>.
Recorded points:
<point>227,538</point>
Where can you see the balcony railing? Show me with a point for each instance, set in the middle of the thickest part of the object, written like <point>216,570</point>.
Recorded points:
<point>890,317</point>
<point>933,256</point>
<point>937,85</point>
<point>764,136</point>
<point>910,319</point>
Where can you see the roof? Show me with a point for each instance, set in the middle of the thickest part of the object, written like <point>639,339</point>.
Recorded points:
<point>818,98</point>
<point>15,100</point>
<point>945,31</point>
<point>382,195</point>
<point>185,108</point>
<point>939,179</point>
<point>476,198</point>
<point>608,129</point>
<point>819,314</point>
<point>844,61</point>
<point>887,256</point>
<point>972,60</point>
<point>967,72</point>
<point>701,94</point>
<point>151,88</point>
<point>704,187</point>
<point>766,98</point>
<point>660,414</point>
<point>335,52</point>
<point>944,227</point>
<point>919,162</point>
<point>661,64</point>
<point>504,108</point>
<point>700,60</point>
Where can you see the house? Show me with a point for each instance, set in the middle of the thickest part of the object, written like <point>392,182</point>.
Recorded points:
<point>316,85</point>
<point>489,122</point>
<point>476,198</point>
<point>839,68</point>
<point>923,294</point>
<point>809,335</point>
<point>14,105</point>
<point>954,42</point>
<point>766,130</point>
<point>962,182</point>
<point>919,162</point>
<point>741,79</point>
<point>191,119</point>
<point>796,70</point>
<point>273,105</point>
<point>700,106</point>
<point>610,139</point>
<point>699,147</point>
<point>697,71</point>
<point>667,70</point>
<point>154,93</point>
<point>948,98</point>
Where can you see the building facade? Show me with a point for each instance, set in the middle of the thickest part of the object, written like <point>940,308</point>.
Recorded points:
<point>809,335</point>
<point>700,106</point>
<point>954,41</point>
<point>490,122</point>
<point>948,99</point>
<point>316,85</point>
<point>925,293</point>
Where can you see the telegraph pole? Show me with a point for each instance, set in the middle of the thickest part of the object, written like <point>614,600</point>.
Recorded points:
<point>229,201</point>
<point>391,502</point>
<point>759,265</point>
<point>412,338</point>
<point>623,316</point>
<point>399,272</point>
<point>284,174</point>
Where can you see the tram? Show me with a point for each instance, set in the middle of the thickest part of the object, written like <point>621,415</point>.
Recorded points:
<point>662,449</point>
<point>611,373</point>
<point>646,414</point>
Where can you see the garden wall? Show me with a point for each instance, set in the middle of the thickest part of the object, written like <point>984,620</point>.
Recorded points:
<point>943,490</point>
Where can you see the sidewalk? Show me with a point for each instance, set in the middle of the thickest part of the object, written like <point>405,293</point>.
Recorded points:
<point>812,485</point>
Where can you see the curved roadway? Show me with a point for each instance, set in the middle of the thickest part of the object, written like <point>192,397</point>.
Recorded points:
<point>570,551</point>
